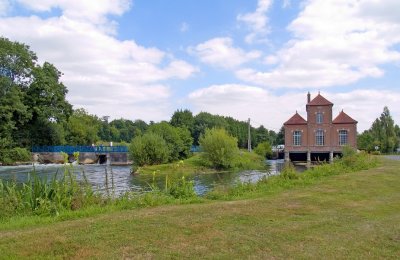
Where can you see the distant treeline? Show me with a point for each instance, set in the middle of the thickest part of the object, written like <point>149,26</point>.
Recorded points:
<point>383,135</point>
<point>34,111</point>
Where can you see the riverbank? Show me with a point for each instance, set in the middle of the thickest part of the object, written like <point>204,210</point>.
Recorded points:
<point>350,215</point>
<point>195,164</point>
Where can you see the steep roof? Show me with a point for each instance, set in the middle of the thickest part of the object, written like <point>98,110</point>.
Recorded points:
<point>296,119</point>
<point>344,118</point>
<point>319,101</point>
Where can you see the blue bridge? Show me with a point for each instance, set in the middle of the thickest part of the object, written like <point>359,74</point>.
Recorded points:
<point>82,149</point>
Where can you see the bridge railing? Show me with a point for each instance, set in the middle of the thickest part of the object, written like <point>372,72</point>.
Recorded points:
<point>82,149</point>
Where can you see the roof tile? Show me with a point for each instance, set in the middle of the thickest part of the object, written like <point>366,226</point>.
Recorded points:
<point>319,101</point>
<point>296,119</point>
<point>344,118</point>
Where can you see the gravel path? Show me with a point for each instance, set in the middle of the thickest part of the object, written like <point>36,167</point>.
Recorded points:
<point>393,157</point>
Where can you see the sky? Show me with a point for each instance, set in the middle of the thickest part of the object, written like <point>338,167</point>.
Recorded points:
<point>144,59</point>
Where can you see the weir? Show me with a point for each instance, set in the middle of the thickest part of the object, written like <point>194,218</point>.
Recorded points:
<point>111,155</point>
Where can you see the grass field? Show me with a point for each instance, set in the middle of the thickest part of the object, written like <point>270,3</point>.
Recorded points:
<point>352,215</point>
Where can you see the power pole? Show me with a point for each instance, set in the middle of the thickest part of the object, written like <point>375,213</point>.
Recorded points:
<point>249,138</point>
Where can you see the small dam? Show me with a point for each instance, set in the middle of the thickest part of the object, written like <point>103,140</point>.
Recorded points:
<point>110,155</point>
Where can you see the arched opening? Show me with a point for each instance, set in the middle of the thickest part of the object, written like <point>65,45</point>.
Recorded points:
<point>102,159</point>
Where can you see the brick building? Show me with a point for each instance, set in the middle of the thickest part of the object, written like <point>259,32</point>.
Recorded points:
<point>319,137</point>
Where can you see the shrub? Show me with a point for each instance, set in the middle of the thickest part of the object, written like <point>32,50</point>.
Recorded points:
<point>149,149</point>
<point>9,156</point>
<point>219,148</point>
<point>263,149</point>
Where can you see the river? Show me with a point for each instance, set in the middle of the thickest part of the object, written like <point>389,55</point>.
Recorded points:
<point>118,179</point>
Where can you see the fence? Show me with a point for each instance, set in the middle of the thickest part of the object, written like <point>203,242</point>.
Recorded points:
<point>82,149</point>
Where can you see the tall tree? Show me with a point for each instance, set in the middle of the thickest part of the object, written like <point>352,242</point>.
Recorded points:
<point>383,132</point>
<point>183,118</point>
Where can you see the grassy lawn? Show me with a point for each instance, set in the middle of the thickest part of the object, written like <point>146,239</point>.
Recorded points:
<point>354,215</point>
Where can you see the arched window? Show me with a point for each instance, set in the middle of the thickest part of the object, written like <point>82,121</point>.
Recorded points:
<point>319,137</point>
<point>343,137</point>
<point>320,118</point>
<point>297,138</point>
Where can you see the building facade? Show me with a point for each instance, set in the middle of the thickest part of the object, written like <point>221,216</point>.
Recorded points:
<point>319,137</point>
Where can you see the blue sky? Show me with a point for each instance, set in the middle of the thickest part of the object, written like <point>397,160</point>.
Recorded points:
<point>241,58</point>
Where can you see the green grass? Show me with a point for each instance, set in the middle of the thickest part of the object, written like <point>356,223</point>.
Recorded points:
<point>344,215</point>
<point>195,164</point>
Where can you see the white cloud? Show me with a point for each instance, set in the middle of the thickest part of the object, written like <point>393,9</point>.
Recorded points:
<point>257,21</point>
<point>93,10</point>
<point>220,52</point>
<point>106,75</point>
<point>335,43</point>
<point>263,107</point>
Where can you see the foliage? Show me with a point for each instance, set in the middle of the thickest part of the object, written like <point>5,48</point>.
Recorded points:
<point>178,139</point>
<point>245,160</point>
<point>289,172</point>
<point>82,128</point>
<point>149,149</point>
<point>219,148</point>
<point>183,118</point>
<point>8,156</point>
<point>264,149</point>
<point>39,196</point>
<point>179,188</point>
<point>32,98</point>
<point>383,134</point>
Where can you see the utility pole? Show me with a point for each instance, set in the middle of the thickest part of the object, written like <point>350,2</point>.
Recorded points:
<point>249,138</point>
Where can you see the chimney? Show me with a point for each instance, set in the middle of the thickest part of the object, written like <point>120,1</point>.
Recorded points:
<point>308,97</point>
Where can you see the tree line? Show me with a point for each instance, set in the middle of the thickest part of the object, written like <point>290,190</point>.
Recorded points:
<point>34,111</point>
<point>382,136</point>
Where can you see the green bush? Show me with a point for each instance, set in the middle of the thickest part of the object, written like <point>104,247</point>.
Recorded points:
<point>289,172</point>
<point>219,148</point>
<point>10,156</point>
<point>149,149</point>
<point>264,149</point>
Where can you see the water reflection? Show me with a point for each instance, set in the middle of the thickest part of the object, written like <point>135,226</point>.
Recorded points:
<point>118,179</point>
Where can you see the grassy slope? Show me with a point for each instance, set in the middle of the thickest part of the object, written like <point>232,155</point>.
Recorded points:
<point>353,215</point>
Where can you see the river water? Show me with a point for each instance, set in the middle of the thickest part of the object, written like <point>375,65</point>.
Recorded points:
<point>118,179</point>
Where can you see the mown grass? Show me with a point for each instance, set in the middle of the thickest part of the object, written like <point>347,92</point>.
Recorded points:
<point>336,215</point>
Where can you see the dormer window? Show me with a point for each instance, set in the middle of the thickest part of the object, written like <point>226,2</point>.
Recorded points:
<point>319,118</point>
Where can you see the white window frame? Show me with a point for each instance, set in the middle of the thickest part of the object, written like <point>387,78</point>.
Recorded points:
<point>297,138</point>
<point>343,137</point>
<point>320,137</point>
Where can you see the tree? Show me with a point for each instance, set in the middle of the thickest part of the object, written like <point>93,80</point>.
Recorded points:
<point>203,121</point>
<point>148,149</point>
<point>16,65</point>
<point>219,148</point>
<point>365,141</point>
<point>384,133</point>
<point>83,128</point>
<point>177,139</point>
<point>280,138</point>
<point>183,118</point>
<point>263,149</point>
<point>33,108</point>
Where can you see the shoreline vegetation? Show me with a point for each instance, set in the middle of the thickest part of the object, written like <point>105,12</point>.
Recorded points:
<point>60,199</point>
<point>243,160</point>
<point>334,210</point>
